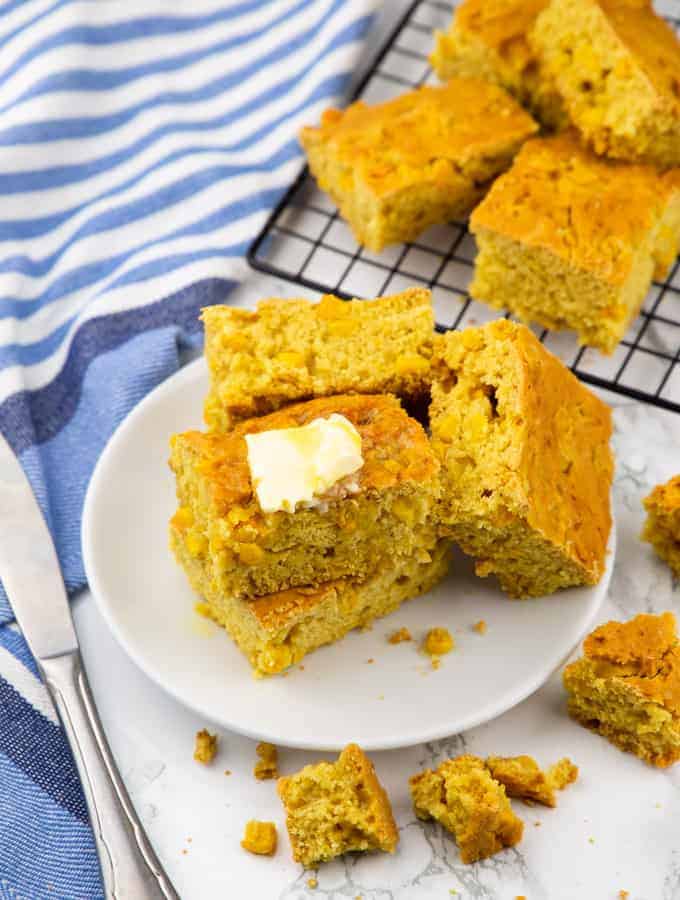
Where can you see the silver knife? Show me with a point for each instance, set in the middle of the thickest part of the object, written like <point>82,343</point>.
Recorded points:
<point>29,571</point>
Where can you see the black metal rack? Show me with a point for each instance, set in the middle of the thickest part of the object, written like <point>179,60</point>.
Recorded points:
<point>306,242</point>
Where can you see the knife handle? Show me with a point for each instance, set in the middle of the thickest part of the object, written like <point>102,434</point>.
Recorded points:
<point>130,868</point>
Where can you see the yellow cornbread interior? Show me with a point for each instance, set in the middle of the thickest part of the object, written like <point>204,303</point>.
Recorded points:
<point>260,838</point>
<point>334,808</point>
<point>615,64</point>
<point>279,630</point>
<point>571,241</point>
<point>290,350</point>
<point>488,39</point>
<point>462,795</point>
<point>386,514</point>
<point>522,777</point>
<point>423,158</point>
<point>626,687</point>
<point>526,465</point>
<point>662,526</point>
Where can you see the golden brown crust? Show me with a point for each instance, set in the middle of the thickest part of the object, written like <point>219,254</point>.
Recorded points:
<point>501,24</point>
<point>428,134</point>
<point>662,526</point>
<point>638,645</point>
<point>394,446</point>
<point>591,212</point>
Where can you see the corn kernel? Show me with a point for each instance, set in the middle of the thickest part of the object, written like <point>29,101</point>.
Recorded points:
<point>291,359</point>
<point>343,328</point>
<point>260,838</point>
<point>250,554</point>
<point>275,658</point>
<point>197,544</point>
<point>183,518</point>
<point>438,641</point>
<point>411,364</point>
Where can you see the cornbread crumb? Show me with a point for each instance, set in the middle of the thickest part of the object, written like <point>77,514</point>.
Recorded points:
<point>591,840</point>
<point>260,838</point>
<point>480,627</point>
<point>626,686</point>
<point>438,641</point>
<point>371,660</point>
<point>570,240</point>
<point>468,802</point>
<point>252,371</point>
<point>399,636</point>
<point>662,527</point>
<point>526,464</point>
<point>623,895</point>
<point>312,883</point>
<point>205,748</point>
<point>436,662</point>
<point>333,808</point>
<point>422,158</point>
<point>523,779</point>
<point>268,764</point>
<point>227,771</point>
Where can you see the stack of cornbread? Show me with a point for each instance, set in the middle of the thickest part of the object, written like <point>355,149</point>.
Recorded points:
<point>586,214</point>
<point>315,502</point>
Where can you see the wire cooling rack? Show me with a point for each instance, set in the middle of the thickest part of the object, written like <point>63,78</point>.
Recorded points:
<point>305,241</point>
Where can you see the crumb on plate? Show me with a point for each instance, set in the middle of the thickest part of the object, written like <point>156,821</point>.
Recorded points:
<point>399,636</point>
<point>438,641</point>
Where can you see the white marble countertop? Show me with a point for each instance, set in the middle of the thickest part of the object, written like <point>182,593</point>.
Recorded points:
<point>617,828</point>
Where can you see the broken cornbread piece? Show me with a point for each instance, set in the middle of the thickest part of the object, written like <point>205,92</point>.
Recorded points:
<point>422,158</point>
<point>438,641</point>
<point>662,527</point>
<point>290,350</point>
<point>626,686</point>
<point>526,464</point>
<point>334,808</point>
<point>488,39</point>
<point>205,748</point>
<point>468,802</point>
<point>522,777</point>
<point>260,838</point>
<point>278,630</point>
<point>381,514</point>
<point>616,65</point>
<point>572,241</point>
<point>399,636</point>
<point>267,765</point>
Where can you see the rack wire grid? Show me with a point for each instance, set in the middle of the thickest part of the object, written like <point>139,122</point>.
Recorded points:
<point>306,242</point>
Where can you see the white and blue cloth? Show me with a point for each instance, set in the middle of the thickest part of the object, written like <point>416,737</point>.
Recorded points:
<point>141,145</point>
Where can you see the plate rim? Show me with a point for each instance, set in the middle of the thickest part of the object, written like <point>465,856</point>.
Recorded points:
<point>392,742</point>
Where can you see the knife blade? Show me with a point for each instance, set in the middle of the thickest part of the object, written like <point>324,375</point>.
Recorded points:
<point>29,568</point>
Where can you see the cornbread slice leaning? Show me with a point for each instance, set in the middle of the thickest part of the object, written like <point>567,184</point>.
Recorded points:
<point>335,808</point>
<point>526,464</point>
<point>488,39</point>
<point>616,65</point>
<point>626,686</point>
<point>280,629</point>
<point>570,240</point>
<point>662,527</point>
<point>423,158</point>
<point>383,513</point>
<point>291,350</point>
<point>462,795</point>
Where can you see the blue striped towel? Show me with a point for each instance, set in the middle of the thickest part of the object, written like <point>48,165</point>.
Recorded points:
<point>141,146</point>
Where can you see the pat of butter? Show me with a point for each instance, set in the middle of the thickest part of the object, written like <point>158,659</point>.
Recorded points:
<point>291,466</point>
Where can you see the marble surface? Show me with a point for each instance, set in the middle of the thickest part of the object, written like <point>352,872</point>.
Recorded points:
<point>616,829</point>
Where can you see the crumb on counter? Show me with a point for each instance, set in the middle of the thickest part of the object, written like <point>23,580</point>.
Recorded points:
<point>267,765</point>
<point>371,660</point>
<point>205,748</point>
<point>312,883</point>
<point>523,778</point>
<point>227,771</point>
<point>623,895</point>
<point>260,838</point>
<point>436,662</point>
<point>480,627</point>
<point>399,636</point>
<point>438,641</point>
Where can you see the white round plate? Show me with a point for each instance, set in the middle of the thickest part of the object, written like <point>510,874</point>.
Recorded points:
<point>361,689</point>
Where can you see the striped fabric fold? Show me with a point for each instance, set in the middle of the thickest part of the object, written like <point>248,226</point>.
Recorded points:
<point>141,147</point>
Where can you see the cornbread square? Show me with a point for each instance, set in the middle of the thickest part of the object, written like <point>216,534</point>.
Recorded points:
<point>291,350</point>
<point>522,777</point>
<point>570,240</point>
<point>468,802</point>
<point>279,630</point>
<point>334,808</point>
<point>526,464</point>
<point>626,686</point>
<point>616,65</point>
<point>423,158</point>
<point>383,512</point>
<point>662,527</point>
<point>488,39</point>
